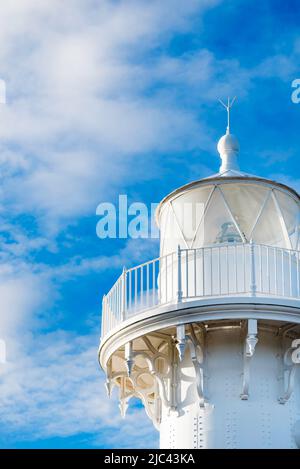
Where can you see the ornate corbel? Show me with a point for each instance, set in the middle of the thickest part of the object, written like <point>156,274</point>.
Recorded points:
<point>108,383</point>
<point>191,341</point>
<point>129,357</point>
<point>180,341</point>
<point>152,396</point>
<point>249,349</point>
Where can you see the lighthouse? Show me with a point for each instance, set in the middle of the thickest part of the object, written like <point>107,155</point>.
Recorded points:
<point>207,335</point>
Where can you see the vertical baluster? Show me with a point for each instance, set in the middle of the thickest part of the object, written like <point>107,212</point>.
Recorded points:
<point>153,282</point>
<point>253,279</point>
<point>187,272</point>
<point>112,301</point>
<point>260,270</point>
<point>179,279</point>
<point>164,280</point>
<point>104,319</point>
<point>112,306</point>
<point>195,272</point>
<point>108,314</point>
<point>117,302</point>
<point>203,271</point>
<point>244,260</point>
<point>227,270</point>
<point>282,272</point>
<point>147,284</point>
<point>159,279</point>
<point>172,278</point>
<point>275,270</point>
<point>135,289</point>
<point>219,270</point>
<point>122,298</point>
<point>268,270</point>
<point>130,289</point>
<point>142,287</point>
<point>119,299</point>
<point>104,316</point>
<point>108,311</point>
<point>297,270</point>
<point>211,271</point>
<point>124,295</point>
<point>290,273</point>
<point>111,309</point>
<point>236,269</point>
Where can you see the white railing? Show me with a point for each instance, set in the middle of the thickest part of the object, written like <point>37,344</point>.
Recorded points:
<point>223,270</point>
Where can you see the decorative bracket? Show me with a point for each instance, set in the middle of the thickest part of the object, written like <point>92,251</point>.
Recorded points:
<point>249,349</point>
<point>108,383</point>
<point>123,398</point>
<point>129,359</point>
<point>192,342</point>
<point>153,395</point>
<point>180,341</point>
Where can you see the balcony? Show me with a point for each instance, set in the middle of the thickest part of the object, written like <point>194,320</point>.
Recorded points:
<point>188,275</point>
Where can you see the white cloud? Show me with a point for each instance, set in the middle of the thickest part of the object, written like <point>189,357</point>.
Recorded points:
<point>76,114</point>
<point>51,385</point>
<point>56,390</point>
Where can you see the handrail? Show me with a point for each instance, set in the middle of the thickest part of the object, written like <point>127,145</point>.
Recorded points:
<point>242,269</point>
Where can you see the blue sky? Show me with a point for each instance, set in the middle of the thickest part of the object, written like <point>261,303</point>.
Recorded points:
<point>107,98</point>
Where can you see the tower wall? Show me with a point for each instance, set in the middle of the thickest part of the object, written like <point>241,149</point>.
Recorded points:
<point>226,420</point>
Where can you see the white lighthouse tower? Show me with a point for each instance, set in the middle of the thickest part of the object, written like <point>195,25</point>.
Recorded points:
<point>208,334</point>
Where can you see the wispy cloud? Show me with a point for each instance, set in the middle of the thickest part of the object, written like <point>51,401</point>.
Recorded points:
<point>77,113</point>
<point>55,389</point>
<point>100,98</point>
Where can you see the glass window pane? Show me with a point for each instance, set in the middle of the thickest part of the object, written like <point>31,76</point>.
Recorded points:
<point>189,209</point>
<point>217,225</point>
<point>170,235</point>
<point>290,213</point>
<point>268,229</point>
<point>245,202</point>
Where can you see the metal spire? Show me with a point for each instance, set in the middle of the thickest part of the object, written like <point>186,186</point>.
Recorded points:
<point>228,145</point>
<point>228,106</point>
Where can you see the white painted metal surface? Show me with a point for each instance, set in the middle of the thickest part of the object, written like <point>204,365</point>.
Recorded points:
<point>225,420</point>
